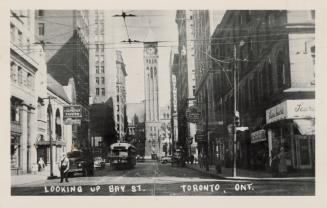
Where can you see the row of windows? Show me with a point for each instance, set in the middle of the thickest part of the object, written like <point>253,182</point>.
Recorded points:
<point>99,47</point>
<point>151,61</point>
<point>165,115</point>
<point>99,69</point>
<point>103,91</point>
<point>97,80</point>
<point>18,75</point>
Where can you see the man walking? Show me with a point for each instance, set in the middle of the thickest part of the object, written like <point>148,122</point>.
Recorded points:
<point>64,167</point>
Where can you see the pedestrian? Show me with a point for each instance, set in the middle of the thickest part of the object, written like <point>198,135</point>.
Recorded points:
<point>192,159</point>
<point>274,162</point>
<point>41,164</point>
<point>200,160</point>
<point>282,168</point>
<point>64,167</point>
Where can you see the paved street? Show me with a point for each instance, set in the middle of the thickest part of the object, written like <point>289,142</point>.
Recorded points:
<point>152,178</point>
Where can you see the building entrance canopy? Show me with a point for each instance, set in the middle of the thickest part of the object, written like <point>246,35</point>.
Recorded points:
<point>305,126</point>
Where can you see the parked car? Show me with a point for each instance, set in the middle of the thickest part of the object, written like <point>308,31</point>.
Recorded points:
<point>166,159</point>
<point>81,162</point>
<point>99,162</point>
<point>139,158</point>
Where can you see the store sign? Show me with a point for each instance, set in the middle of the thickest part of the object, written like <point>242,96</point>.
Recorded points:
<point>70,121</point>
<point>192,114</point>
<point>258,136</point>
<point>291,109</point>
<point>199,136</point>
<point>276,113</point>
<point>300,109</point>
<point>73,111</point>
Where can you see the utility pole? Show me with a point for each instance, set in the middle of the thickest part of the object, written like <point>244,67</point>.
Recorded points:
<point>49,111</point>
<point>235,112</point>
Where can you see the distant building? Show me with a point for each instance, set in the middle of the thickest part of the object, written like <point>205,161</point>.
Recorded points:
<point>185,80</point>
<point>165,131</point>
<point>207,82</point>
<point>136,126</point>
<point>174,65</point>
<point>107,67</point>
<point>120,110</point>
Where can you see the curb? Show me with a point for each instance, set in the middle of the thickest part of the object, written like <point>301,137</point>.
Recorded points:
<point>214,175</point>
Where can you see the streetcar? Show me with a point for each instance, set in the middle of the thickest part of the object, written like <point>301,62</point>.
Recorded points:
<point>122,155</point>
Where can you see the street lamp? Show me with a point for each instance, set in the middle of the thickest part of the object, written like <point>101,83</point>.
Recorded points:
<point>49,111</point>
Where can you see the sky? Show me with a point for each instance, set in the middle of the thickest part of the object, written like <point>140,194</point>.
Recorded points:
<point>162,23</point>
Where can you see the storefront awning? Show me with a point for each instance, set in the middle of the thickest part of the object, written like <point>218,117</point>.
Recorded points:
<point>305,126</point>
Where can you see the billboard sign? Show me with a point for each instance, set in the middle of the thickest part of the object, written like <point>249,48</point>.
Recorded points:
<point>73,112</point>
<point>192,114</point>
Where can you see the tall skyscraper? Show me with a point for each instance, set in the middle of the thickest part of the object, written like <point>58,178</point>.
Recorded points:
<point>152,124</point>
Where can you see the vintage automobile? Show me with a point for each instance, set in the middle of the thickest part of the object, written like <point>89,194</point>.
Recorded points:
<point>166,159</point>
<point>99,162</point>
<point>178,158</point>
<point>81,161</point>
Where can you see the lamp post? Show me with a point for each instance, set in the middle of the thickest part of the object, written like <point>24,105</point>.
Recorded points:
<point>49,111</point>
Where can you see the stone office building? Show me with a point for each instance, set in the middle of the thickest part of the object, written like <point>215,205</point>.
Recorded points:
<point>27,71</point>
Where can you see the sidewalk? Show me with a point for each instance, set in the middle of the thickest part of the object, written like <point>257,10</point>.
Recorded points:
<point>227,173</point>
<point>33,177</point>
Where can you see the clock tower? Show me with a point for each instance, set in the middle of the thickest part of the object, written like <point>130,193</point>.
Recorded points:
<point>151,91</point>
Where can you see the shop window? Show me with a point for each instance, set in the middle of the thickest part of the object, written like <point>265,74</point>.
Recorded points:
<point>15,151</point>
<point>14,112</point>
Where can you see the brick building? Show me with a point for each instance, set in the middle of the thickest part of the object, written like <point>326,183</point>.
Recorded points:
<point>274,66</point>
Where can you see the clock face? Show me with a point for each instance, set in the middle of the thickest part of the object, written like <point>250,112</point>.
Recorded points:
<point>150,51</point>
